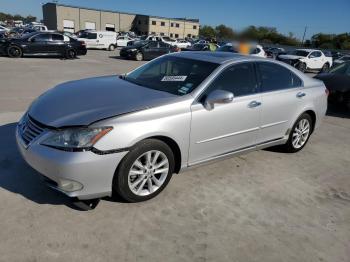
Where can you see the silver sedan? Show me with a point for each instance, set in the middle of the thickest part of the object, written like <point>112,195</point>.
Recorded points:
<point>128,134</point>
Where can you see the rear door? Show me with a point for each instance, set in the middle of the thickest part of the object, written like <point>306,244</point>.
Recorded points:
<point>57,44</point>
<point>282,94</point>
<point>163,48</point>
<point>150,50</point>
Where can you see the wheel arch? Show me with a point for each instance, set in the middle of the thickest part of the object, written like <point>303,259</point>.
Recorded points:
<point>312,114</point>
<point>173,146</point>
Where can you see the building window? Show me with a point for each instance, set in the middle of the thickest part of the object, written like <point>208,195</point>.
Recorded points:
<point>162,23</point>
<point>176,35</point>
<point>171,35</point>
<point>172,24</point>
<point>110,27</point>
<point>139,22</point>
<point>177,25</point>
<point>194,27</point>
<point>68,26</point>
<point>153,33</point>
<point>162,34</point>
<point>90,25</point>
<point>146,22</point>
<point>189,35</point>
<point>154,23</point>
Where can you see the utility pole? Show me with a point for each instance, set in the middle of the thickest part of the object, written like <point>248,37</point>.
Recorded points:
<point>302,41</point>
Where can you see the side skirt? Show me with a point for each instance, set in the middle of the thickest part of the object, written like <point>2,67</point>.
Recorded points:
<point>266,144</point>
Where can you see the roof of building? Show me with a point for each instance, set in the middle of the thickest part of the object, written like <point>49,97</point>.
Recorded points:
<point>116,11</point>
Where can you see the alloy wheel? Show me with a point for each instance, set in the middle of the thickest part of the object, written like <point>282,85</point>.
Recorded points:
<point>301,133</point>
<point>148,173</point>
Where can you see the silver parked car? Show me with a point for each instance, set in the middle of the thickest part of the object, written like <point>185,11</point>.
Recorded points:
<point>129,134</point>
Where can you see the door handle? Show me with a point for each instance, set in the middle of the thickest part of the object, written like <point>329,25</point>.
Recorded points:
<point>254,104</point>
<point>301,94</point>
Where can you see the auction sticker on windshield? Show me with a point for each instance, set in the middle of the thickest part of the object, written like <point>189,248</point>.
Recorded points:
<point>174,78</point>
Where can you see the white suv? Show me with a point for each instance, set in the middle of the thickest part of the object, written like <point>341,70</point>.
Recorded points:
<point>307,59</point>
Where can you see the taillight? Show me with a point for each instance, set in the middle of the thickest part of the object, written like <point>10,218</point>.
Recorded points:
<point>326,91</point>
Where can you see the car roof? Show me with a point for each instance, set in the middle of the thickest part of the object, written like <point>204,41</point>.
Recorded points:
<point>215,57</point>
<point>307,50</point>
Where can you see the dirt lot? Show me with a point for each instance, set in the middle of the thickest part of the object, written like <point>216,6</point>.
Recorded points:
<point>264,206</point>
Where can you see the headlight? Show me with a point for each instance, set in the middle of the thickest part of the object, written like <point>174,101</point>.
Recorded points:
<point>75,139</point>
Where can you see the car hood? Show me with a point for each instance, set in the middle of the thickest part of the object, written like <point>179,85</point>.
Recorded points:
<point>290,57</point>
<point>335,82</point>
<point>82,102</point>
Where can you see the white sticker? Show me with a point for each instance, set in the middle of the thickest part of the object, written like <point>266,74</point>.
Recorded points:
<point>174,78</point>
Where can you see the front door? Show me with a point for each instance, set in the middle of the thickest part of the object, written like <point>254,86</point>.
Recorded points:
<point>38,44</point>
<point>227,127</point>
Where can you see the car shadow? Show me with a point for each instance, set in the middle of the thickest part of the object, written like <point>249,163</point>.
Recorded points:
<point>18,177</point>
<point>338,111</point>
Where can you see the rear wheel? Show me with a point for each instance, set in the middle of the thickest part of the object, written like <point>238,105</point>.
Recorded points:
<point>111,48</point>
<point>300,134</point>
<point>14,52</point>
<point>139,56</point>
<point>145,171</point>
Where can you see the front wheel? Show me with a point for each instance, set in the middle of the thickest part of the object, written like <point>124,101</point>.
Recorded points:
<point>71,54</point>
<point>145,171</point>
<point>139,56</point>
<point>299,134</point>
<point>325,68</point>
<point>302,67</point>
<point>14,52</point>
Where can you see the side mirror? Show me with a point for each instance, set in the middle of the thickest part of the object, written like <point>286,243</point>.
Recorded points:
<point>218,97</point>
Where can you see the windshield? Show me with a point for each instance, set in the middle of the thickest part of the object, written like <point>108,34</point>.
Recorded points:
<point>300,53</point>
<point>88,35</point>
<point>343,69</point>
<point>175,75</point>
<point>226,48</point>
<point>345,58</point>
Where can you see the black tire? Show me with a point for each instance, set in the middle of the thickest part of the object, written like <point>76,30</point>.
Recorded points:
<point>139,56</point>
<point>301,67</point>
<point>71,54</point>
<point>289,147</point>
<point>111,48</point>
<point>347,101</point>
<point>14,52</point>
<point>120,180</point>
<point>325,68</point>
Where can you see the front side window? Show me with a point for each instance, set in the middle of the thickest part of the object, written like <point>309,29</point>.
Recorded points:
<point>239,79</point>
<point>175,75</point>
<point>42,38</point>
<point>315,54</point>
<point>276,77</point>
<point>342,69</point>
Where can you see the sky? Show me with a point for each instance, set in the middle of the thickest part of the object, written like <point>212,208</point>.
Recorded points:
<point>287,16</point>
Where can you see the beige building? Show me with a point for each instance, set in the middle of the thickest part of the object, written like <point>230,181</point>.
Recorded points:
<point>72,19</point>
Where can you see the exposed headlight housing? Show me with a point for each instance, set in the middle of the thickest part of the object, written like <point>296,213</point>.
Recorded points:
<point>75,139</point>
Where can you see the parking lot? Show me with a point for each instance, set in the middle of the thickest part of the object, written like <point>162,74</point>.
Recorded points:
<point>263,206</point>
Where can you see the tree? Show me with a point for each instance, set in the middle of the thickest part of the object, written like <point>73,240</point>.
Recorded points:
<point>207,31</point>
<point>224,32</point>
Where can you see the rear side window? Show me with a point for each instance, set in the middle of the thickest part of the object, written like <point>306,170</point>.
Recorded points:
<point>275,77</point>
<point>239,79</point>
<point>57,37</point>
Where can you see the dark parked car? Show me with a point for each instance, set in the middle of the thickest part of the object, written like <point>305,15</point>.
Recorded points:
<point>146,50</point>
<point>227,48</point>
<point>274,52</point>
<point>43,43</point>
<point>197,47</point>
<point>337,81</point>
